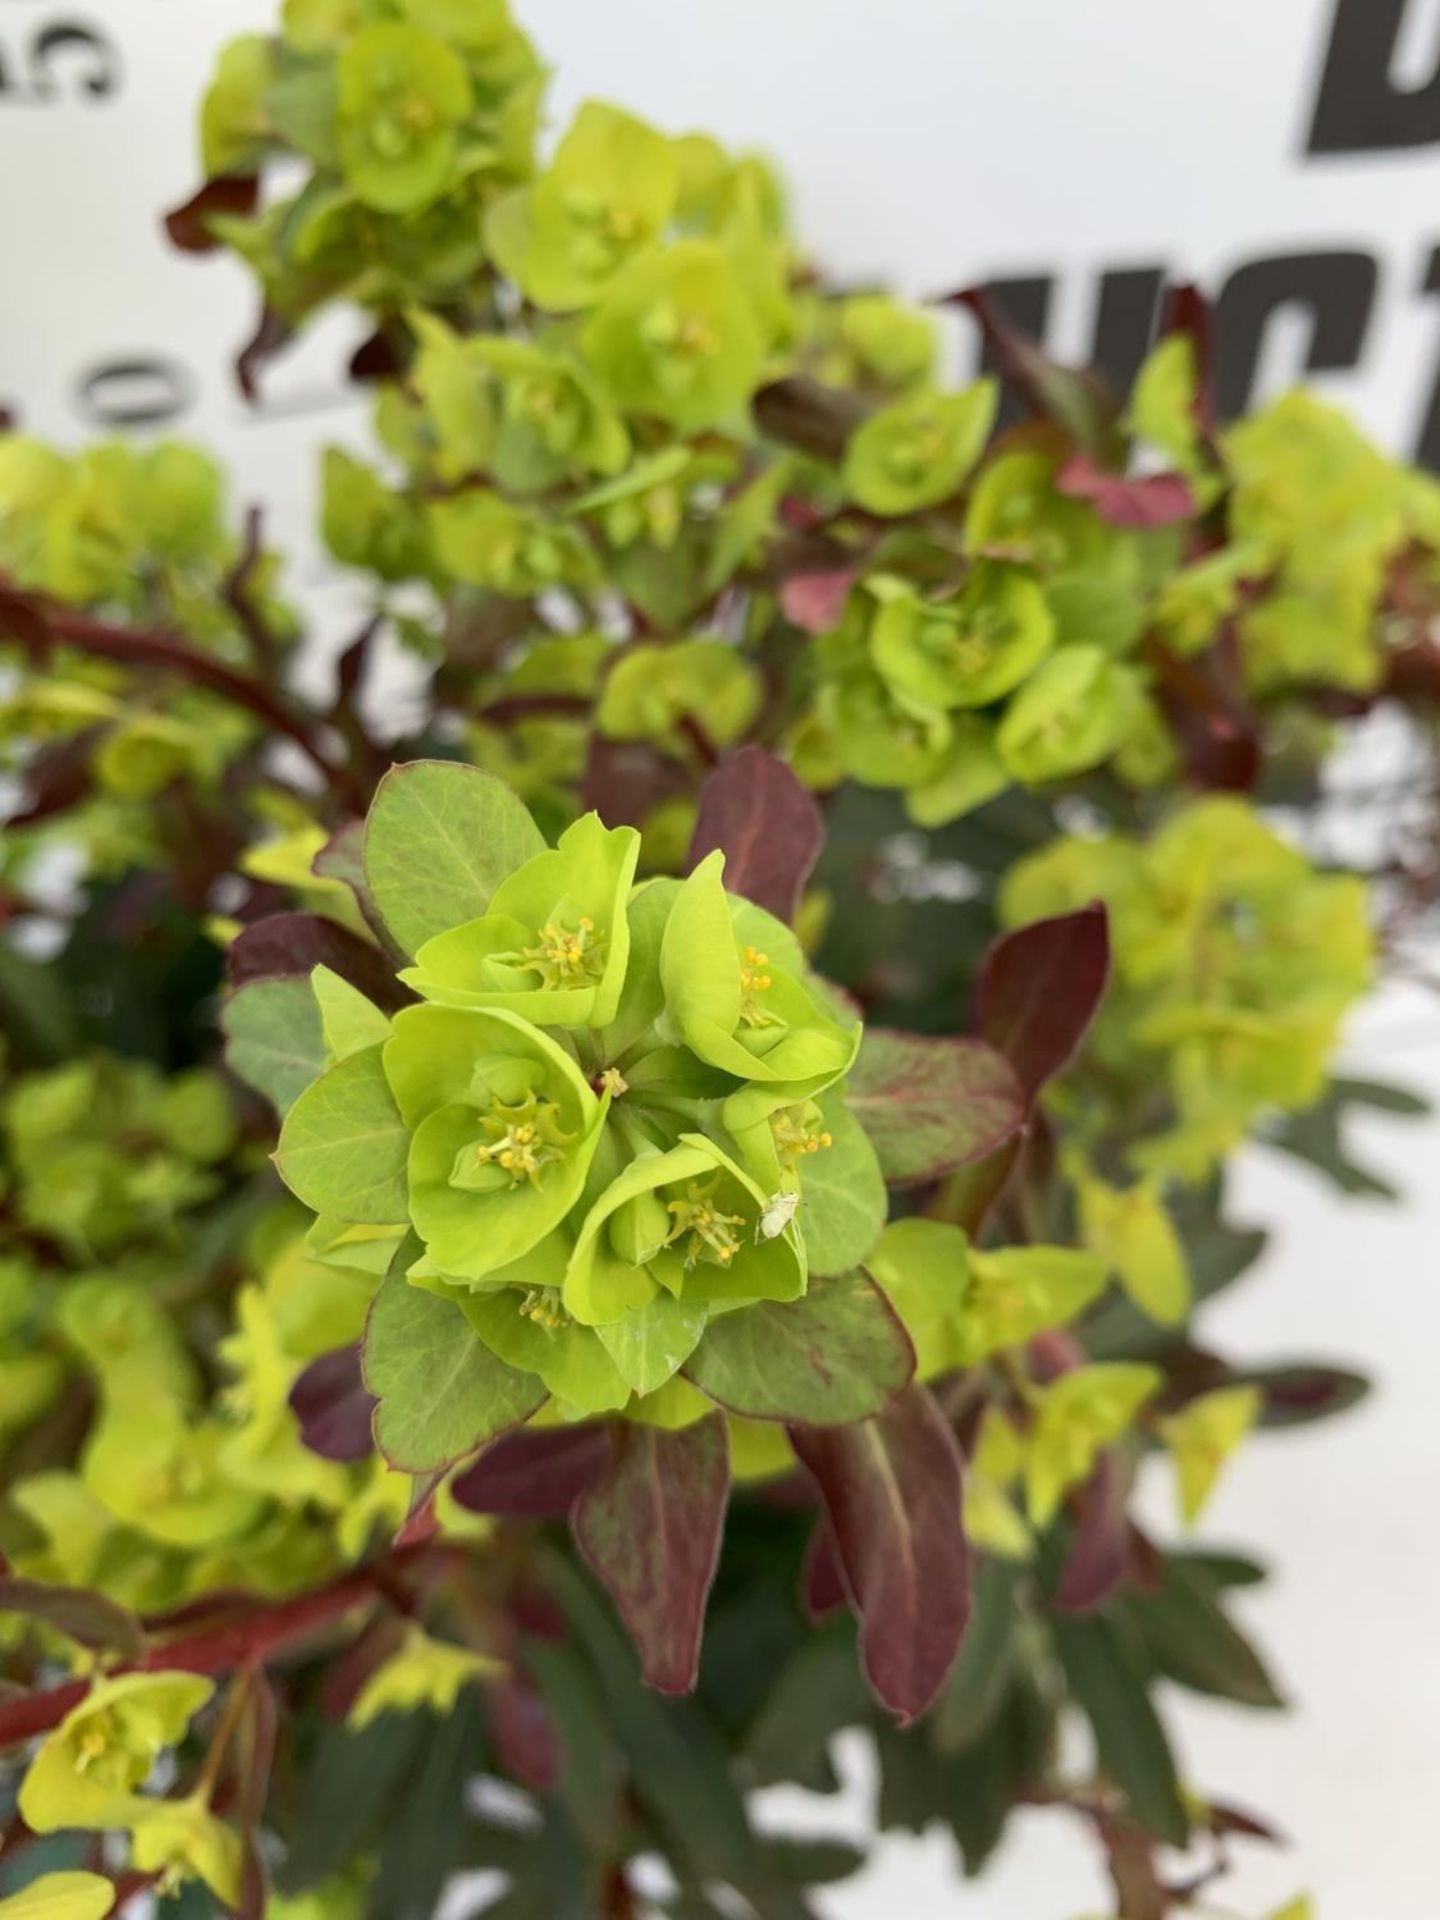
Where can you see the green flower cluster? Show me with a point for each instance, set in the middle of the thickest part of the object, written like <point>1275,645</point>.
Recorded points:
<point>1315,523</point>
<point>412,115</point>
<point>620,404</point>
<point>135,535</point>
<point>190,1476</point>
<point>102,1153</point>
<point>596,1131</point>
<point>183,1488</point>
<point>1235,962</point>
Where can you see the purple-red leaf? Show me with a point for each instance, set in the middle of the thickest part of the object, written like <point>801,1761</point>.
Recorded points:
<point>766,823</point>
<point>526,1739</point>
<point>1187,311</point>
<point>234,194</point>
<point>822,1584</point>
<point>1039,989</point>
<point>333,1406</point>
<point>536,1473</point>
<point>650,1530</point>
<point>930,1105</point>
<point>1102,1551</point>
<point>1153,500</point>
<point>273,333</point>
<point>90,1619</point>
<point>814,601</point>
<point>1217,734</point>
<point>892,1490</point>
<point>625,780</point>
<point>284,945</point>
<point>973,1191</point>
<point>1073,398</point>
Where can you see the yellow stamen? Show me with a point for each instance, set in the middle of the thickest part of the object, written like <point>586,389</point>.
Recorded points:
<point>711,1232</point>
<point>566,959</point>
<point>524,1140</point>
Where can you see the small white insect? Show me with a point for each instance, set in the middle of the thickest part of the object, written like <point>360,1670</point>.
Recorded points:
<point>780,1210</point>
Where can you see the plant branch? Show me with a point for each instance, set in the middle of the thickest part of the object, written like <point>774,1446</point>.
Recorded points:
<point>215,1650</point>
<point>37,625</point>
<point>238,583</point>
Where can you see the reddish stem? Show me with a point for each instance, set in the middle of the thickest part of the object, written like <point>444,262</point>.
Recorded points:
<point>35,622</point>
<point>214,1651</point>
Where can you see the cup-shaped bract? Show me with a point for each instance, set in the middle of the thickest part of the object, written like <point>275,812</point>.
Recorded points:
<point>739,1006</point>
<point>402,94</point>
<point>554,944</point>
<point>503,1126</point>
<point>689,1222</point>
<point>88,1772</point>
<point>967,649</point>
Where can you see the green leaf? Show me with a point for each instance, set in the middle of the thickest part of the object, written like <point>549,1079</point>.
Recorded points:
<point>350,1021</point>
<point>680,1766</point>
<point>819,1692</point>
<point>592,1774</point>
<point>651,1343</point>
<point>36,1017</point>
<point>1191,1640</point>
<point>274,1039</point>
<point>1106,1665</point>
<point>976,1688</point>
<point>343,1146</point>
<point>837,1355</point>
<point>443,1394</point>
<point>344,1786</point>
<point>439,839</point>
<point>844,1201</point>
<point>932,1105</point>
<point>924,1267</point>
<point>422,1835</point>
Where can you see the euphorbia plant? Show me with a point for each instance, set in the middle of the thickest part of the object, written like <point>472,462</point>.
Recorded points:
<point>691,1172</point>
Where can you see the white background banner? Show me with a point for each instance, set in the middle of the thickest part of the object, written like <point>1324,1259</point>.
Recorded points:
<point>1284,154</point>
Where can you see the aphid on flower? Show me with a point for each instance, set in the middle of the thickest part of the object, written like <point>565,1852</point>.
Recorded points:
<point>780,1210</point>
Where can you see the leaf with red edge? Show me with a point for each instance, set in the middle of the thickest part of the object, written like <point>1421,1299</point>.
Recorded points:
<point>650,1530</point>
<point>334,1407</point>
<point>236,195</point>
<point>536,1473</point>
<point>342,858</point>
<point>1151,500</point>
<point>836,1355</point>
<point>930,1105</point>
<point>768,826</point>
<point>814,601</point>
<point>283,945</point>
<point>892,1488</point>
<point>1038,990</point>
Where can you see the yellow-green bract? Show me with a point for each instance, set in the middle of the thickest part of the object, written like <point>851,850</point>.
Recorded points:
<point>599,1120</point>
